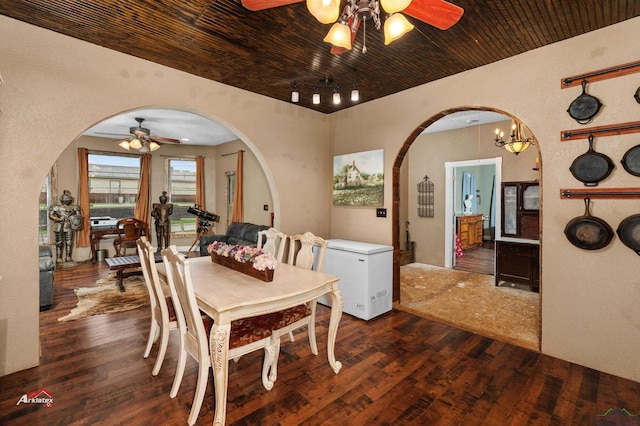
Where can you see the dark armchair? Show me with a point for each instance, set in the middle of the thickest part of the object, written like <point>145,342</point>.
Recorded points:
<point>47,268</point>
<point>237,233</point>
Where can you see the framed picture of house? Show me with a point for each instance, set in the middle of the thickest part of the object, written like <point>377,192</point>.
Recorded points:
<point>358,179</point>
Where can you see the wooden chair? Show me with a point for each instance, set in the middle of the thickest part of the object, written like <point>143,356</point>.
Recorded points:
<point>305,314</point>
<point>246,335</point>
<point>275,241</point>
<point>129,231</point>
<point>163,315</point>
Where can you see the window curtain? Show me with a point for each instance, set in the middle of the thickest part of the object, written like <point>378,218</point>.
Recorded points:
<point>142,211</point>
<point>83,235</point>
<point>238,207</point>
<point>200,188</point>
<point>469,189</point>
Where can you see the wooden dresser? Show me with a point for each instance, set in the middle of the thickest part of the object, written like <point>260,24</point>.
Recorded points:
<point>469,229</point>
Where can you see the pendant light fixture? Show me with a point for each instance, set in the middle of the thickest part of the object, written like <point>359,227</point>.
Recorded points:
<point>329,84</point>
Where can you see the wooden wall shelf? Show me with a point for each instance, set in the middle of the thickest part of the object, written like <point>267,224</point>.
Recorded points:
<point>603,74</point>
<point>600,193</point>
<point>608,130</point>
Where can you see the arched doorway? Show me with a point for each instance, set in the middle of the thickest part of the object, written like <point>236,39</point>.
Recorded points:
<point>399,179</point>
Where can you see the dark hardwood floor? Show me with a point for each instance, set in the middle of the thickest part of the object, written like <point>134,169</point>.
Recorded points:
<point>480,259</point>
<point>398,369</point>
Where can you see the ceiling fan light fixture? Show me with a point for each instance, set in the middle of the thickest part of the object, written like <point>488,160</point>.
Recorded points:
<point>153,146</point>
<point>336,98</point>
<point>135,143</point>
<point>395,26</point>
<point>393,6</point>
<point>325,11</point>
<point>339,35</point>
<point>316,98</point>
<point>124,144</point>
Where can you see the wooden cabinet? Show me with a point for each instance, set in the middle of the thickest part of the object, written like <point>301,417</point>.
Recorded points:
<point>518,263</point>
<point>521,210</point>
<point>469,229</point>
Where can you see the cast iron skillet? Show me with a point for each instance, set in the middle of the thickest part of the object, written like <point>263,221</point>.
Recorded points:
<point>629,232</point>
<point>584,107</point>
<point>631,160</point>
<point>588,232</point>
<point>591,167</point>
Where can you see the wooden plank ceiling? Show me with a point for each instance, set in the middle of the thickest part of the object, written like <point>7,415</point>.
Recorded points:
<point>266,51</point>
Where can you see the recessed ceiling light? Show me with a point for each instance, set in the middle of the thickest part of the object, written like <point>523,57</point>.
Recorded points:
<point>184,139</point>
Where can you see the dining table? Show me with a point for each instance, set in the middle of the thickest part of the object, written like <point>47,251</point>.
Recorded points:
<point>227,295</point>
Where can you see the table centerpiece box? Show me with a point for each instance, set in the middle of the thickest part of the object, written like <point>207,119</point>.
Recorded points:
<point>244,267</point>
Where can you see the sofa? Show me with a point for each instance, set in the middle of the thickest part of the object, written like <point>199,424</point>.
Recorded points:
<point>237,233</point>
<point>47,268</point>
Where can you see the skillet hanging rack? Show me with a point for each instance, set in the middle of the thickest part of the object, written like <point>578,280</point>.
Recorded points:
<point>602,74</point>
<point>601,193</point>
<point>618,129</point>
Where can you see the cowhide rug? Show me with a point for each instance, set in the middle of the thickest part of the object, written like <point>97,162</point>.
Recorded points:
<point>472,302</point>
<point>105,297</point>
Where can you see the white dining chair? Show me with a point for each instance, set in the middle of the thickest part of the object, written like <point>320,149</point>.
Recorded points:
<point>246,335</point>
<point>274,242</point>
<point>163,317</point>
<point>302,254</point>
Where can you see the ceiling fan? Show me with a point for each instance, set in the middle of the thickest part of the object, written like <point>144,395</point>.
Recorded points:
<point>141,140</point>
<point>439,13</point>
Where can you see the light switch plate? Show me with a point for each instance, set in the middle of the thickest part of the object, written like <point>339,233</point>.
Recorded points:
<point>381,212</point>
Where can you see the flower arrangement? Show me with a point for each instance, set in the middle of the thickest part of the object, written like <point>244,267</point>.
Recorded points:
<point>258,258</point>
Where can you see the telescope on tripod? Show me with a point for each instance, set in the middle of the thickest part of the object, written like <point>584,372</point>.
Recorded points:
<point>204,223</point>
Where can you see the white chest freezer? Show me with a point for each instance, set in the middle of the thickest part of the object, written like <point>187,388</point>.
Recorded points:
<point>366,276</point>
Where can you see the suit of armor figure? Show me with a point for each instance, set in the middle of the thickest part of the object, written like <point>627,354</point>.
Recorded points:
<point>162,211</point>
<point>67,219</point>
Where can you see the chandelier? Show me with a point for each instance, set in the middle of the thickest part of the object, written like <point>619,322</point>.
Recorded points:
<point>355,12</point>
<point>517,142</point>
<point>326,84</point>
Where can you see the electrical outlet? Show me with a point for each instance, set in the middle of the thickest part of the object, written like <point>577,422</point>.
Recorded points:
<point>265,207</point>
<point>381,212</point>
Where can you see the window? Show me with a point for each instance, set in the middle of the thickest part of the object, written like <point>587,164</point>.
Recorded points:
<point>113,185</point>
<point>231,190</point>
<point>181,187</point>
<point>44,224</point>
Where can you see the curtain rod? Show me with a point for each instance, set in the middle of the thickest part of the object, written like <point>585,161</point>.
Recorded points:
<point>231,153</point>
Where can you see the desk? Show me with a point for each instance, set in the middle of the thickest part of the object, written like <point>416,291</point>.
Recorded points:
<point>226,295</point>
<point>95,236</point>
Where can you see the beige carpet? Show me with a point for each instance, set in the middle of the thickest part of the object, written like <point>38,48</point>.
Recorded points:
<point>471,302</point>
<point>105,297</point>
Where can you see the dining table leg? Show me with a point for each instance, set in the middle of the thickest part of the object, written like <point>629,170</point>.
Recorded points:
<point>219,349</point>
<point>337,304</point>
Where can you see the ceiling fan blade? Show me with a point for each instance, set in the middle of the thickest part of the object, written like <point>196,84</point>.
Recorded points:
<point>439,13</point>
<point>161,140</point>
<point>255,5</point>
<point>117,135</point>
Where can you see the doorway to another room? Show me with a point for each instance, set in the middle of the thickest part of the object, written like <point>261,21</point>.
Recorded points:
<point>472,204</point>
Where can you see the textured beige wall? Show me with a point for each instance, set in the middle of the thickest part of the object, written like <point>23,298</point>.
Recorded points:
<point>55,87</point>
<point>589,299</point>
